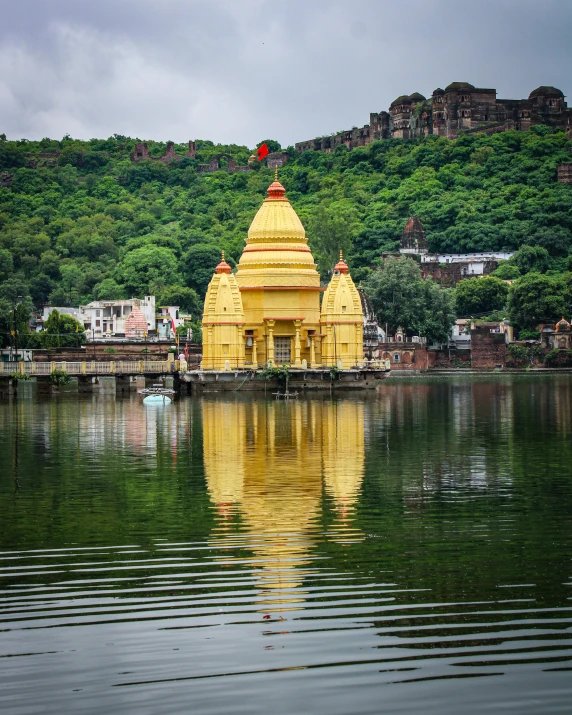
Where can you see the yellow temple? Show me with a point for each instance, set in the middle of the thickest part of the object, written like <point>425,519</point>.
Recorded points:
<point>269,313</point>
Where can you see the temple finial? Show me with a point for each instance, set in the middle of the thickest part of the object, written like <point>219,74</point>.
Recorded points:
<point>222,255</point>
<point>276,173</point>
<point>341,255</point>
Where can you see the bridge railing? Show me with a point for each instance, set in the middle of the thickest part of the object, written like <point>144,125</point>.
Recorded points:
<point>89,367</point>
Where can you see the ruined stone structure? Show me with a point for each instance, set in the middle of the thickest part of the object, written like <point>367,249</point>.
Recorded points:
<point>214,165</point>
<point>565,173</point>
<point>488,345</point>
<point>449,274</point>
<point>448,268</point>
<point>141,153</point>
<point>413,239</point>
<point>458,109</point>
<point>276,159</point>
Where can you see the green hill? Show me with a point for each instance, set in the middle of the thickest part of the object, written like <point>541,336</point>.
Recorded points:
<point>88,223</point>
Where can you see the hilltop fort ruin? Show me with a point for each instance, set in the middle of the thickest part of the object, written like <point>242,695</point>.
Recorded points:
<point>460,108</point>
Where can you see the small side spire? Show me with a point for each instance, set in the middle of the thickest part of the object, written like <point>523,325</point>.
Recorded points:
<point>223,266</point>
<point>341,266</point>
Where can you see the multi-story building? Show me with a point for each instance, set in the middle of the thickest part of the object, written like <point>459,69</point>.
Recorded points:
<point>108,317</point>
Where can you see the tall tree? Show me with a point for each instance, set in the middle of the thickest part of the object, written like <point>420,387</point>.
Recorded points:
<point>402,298</point>
<point>475,296</point>
<point>535,299</point>
<point>330,231</point>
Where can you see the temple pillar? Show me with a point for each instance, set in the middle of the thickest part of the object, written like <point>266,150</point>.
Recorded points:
<point>254,354</point>
<point>312,351</point>
<point>270,356</point>
<point>297,347</point>
<point>240,343</point>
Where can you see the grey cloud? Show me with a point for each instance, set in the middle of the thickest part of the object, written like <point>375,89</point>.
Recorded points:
<point>243,70</point>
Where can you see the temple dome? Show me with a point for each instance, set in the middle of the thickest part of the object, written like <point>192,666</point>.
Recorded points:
<point>416,97</point>
<point>438,91</point>
<point>458,86</point>
<point>276,219</point>
<point>277,251</point>
<point>403,99</point>
<point>135,323</point>
<point>545,91</point>
<point>563,326</point>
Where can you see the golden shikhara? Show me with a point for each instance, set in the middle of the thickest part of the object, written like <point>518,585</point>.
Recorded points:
<point>342,320</point>
<point>271,312</point>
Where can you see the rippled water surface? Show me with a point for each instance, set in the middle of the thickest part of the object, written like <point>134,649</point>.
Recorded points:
<point>407,551</point>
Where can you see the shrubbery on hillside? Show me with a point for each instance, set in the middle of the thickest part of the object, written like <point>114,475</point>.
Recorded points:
<point>96,225</point>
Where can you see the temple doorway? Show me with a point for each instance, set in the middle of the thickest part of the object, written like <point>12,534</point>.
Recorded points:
<point>282,351</point>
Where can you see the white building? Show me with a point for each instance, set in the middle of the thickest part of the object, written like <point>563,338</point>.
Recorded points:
<point>107,317</point>
<point>39,320</point>
<point>475,261</point>
<point>166,316</point>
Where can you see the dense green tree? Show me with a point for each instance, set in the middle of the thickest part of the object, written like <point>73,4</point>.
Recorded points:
<point>199,263</point>
<point>477,296</point>
<point>108,289</point>
<point>531,258</point>
<point>94,207</point>
<point>506,271</point>
<point>186,298</point>
<point>331,229</point>
<point>62,330</point>
<point>537,299</point>
<point>146,268</point>
<point>402,298</point>
<point>6,264</point>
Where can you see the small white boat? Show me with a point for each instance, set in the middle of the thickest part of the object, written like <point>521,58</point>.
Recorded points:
<point>156,394</point>
<point>156,389</point>
<point>156,400</point>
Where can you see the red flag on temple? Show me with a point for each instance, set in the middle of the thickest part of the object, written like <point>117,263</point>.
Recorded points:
<point>262,151</point>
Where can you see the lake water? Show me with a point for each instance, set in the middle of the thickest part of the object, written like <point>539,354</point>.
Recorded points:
<point>407,551</point>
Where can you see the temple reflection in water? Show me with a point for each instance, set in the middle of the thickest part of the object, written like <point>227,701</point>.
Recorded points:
<point>267,465</point>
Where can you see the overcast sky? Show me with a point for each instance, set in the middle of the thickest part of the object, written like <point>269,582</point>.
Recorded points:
<point>244,70</point>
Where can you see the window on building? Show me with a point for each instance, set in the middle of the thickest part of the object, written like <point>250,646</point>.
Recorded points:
<point>97,313</point>
<point>396,357</point>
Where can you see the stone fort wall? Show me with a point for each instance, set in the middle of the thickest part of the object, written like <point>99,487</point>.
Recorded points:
<point>460,108</point>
